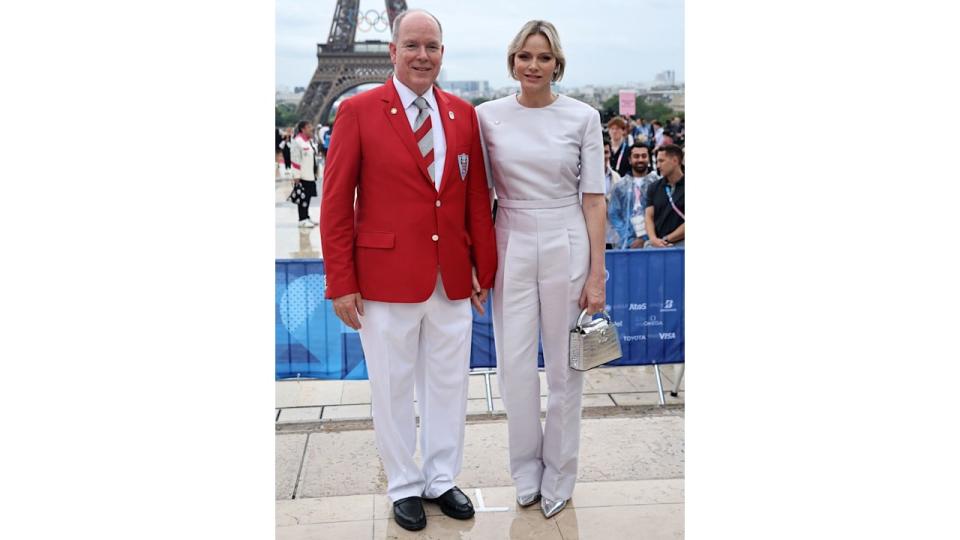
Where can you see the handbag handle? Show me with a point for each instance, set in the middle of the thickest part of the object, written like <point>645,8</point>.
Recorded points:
<point>603,313</point>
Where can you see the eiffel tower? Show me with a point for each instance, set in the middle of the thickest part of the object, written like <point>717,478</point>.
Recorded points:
<point>343,64</point>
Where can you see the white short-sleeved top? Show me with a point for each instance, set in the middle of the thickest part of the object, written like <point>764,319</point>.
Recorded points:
<point>542,153</point>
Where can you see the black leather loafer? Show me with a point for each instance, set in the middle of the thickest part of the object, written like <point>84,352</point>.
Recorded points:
<point>454,503</point>
<point>409,513</point>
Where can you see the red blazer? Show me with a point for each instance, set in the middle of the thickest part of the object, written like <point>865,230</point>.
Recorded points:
<point>384,247</point>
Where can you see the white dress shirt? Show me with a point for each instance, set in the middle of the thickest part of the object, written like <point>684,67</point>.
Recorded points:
<point>407,96</point>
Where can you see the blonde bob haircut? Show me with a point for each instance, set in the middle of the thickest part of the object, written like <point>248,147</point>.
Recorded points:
<point>549,32</point>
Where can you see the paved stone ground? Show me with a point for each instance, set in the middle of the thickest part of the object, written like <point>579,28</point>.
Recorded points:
<point>330,481</point>
<point>311,400</point>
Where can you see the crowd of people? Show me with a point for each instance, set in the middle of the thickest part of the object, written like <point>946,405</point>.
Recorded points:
<point>644,175</point>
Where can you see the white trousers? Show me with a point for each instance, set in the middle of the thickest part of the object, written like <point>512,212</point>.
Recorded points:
<point>544,257</point>
<point>426,345</point>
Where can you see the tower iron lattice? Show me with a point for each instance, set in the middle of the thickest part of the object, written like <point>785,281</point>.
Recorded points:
<point>344,63</point>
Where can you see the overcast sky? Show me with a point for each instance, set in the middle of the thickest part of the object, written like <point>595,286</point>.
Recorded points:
<point>606,42</point>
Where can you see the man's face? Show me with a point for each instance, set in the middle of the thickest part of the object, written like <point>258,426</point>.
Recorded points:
<point>606,154</point>
<point>417,53</point>
<point>666,163</point>
<point>639,160</point>
<point>616,132</point>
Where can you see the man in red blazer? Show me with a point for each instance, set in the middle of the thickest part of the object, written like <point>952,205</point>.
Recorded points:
<point>404,257</point>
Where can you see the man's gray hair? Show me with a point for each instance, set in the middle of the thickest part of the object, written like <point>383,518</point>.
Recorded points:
<point>402,15</point>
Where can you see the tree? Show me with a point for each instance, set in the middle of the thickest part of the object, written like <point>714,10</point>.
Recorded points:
<point>286,115</point>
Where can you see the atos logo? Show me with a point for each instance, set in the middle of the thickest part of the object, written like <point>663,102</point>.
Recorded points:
<point>668,335</point>
<point>638,307</point>
<point>668,306</point>
<point>634,338</point>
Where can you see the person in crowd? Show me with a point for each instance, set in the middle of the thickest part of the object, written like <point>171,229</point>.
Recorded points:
<point>664,205</point>
<point>666,140</point>
<point>303,159</point>
<point>651,133</point>
<point>640,131</point>
<point>406,260</point>
<point>285,145</point>
<point>676,130</point>
<point>657,134</point>
<point>551,252</point>
<point>617,128</point>
<point>278,151</point>
<point>323,139</point>
<point>611,180</point>
<point>628,201</point>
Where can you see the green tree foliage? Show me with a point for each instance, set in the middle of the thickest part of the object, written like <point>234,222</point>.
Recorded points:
<point>479,100</point>
<point>286,115</point>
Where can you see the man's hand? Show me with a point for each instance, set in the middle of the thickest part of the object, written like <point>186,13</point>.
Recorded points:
<point>637,243</point>
<point>479,296</point>
<point>346,307</point>
<point>659,242</point>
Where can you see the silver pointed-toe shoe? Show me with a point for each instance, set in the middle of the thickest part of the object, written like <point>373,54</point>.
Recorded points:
<point>551,508</point>
<point>527,500</point>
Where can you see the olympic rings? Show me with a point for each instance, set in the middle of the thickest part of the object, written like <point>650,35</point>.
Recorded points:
<point>371,20</point>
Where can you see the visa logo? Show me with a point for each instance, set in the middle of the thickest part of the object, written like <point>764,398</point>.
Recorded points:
<point>668,335</point>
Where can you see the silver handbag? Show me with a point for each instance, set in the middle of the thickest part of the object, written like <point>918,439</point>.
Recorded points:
<point>594,343</point>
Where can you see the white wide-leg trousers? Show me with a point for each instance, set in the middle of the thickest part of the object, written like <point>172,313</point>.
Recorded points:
<point>544,257</point>
<point>426,345</point>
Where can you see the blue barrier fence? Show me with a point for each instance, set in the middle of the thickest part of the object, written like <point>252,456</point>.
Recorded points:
<point>645,298</point>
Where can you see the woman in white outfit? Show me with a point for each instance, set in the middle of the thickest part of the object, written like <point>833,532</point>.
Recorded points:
<point>544,150</point>
<point>303,152</point>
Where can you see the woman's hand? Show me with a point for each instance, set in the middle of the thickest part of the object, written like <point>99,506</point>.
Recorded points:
<point>594,295</point>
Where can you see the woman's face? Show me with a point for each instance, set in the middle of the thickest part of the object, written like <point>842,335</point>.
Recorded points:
<point>534,64</point>
<point>616,132</point>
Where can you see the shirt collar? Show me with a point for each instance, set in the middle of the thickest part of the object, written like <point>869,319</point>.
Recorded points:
<point>407,96</point>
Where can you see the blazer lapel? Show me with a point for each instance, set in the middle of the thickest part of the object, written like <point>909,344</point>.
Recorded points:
<point>398,119</point>
<point>449,134</point>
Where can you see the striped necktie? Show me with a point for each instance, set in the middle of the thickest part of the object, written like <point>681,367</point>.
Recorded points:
<point>423,133</point>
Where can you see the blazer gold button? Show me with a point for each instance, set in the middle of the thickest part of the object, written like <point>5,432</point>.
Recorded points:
<point>393,110</point>
<point>451,115</point>
<point>438,204</point>
<point>435,238</point>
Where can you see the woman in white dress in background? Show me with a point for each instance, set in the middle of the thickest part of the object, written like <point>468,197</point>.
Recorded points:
<point>544,151</point>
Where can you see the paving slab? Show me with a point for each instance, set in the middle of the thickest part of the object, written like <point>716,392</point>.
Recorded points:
<point>344,412</point>
<point>308,393</point>
<point>289,453</point>
<point>324,510</point>
<point>597,400</point>
<point>345,530</point>
<point>607,380</point>
<point>636,398</point>
<point>341,463</point>
<point>649,522</point>
<point>355,392</point>
<point>487,526</point>
<point>299,414</point>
